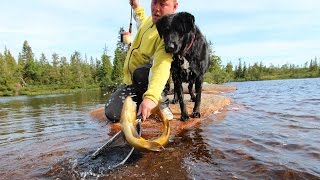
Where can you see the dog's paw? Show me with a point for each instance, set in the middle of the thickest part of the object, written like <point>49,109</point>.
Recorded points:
<point>196,115</point>
<point>193,99</point>
<point>184,117</point>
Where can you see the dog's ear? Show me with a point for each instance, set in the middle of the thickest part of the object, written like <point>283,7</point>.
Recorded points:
<point>188,21</point>
<point>161,24</point>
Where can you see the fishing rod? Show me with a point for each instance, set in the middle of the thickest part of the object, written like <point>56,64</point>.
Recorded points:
<point>125,37</point>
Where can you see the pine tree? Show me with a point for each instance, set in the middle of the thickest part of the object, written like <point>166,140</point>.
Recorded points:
<point>54,72</point>
<point>10,63</point>
<point>244,70</point>
<point>44,69</point>
<point>28,65</point>
<point>229,71</point>
<point>118,61</point>
<point>3,83</point>
<point>106,68</point>
<point>255,72</point>
<point>238,71</point>
<point>117,72</point>
<point>75,63</point>
<point>86,70</point>
<point>65,72</point>
<point>93,70</point>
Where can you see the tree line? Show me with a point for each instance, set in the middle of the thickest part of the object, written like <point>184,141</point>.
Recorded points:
<point>259,71</point>
<point>29,75</point>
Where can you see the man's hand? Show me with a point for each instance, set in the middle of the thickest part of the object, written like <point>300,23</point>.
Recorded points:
<point>145,108</point>
<point>134,3</point>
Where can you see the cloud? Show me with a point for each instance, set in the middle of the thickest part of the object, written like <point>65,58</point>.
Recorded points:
<point>255,29</point>
<point>60,26</point>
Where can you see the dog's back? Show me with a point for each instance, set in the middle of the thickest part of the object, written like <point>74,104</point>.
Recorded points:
<point>195,57</point>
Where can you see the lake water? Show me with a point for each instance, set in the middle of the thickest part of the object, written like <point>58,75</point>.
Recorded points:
<point>270,131</point>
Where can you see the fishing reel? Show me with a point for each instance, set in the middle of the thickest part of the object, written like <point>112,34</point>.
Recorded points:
<point>125,37</point>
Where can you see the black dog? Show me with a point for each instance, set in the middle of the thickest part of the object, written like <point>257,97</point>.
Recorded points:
<point>190,52</point>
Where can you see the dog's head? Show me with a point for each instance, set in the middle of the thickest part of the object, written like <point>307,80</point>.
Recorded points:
<point>176,29</point>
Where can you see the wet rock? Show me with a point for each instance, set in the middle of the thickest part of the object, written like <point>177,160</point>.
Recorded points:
<point>211,101</point>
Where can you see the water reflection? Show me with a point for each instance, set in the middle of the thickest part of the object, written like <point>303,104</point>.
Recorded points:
<point>35,131</point>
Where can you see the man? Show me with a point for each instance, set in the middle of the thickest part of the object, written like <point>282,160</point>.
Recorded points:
<point>147,65</point>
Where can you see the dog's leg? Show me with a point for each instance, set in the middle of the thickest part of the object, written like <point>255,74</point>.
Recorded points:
<point>192,96</point>
<point>175,97</point>
<point>179,91</point>
<point>198,87</point>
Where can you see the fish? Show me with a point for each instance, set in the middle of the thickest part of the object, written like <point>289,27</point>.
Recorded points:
<point>128,123</point>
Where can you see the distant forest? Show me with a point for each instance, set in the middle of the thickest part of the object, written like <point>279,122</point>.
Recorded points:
<point>28,75</point>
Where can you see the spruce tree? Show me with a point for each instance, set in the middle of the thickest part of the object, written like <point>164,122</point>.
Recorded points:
<point>44,69</point>
<point>106,68</point>
<point>29,67</point>
<point>118,61</point>
<point>75,65</point>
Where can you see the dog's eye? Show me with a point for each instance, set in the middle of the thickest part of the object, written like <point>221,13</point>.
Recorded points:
<point>180,30</point>
<point>166,30</point>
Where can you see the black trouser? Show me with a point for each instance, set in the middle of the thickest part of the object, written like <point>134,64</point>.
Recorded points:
<point>139,86</point>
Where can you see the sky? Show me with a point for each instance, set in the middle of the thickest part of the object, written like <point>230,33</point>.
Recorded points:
<point>272,32</point>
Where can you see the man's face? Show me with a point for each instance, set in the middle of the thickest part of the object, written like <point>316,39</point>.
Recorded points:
<point>160,8</point>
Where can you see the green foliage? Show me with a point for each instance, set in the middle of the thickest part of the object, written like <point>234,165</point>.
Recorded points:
<point>106,70</point>
<point>29,67</point>
<point>215,73</point>
<point>28,75</point>
<point>32,76</point>
<point>118,61</point>
<point>229,72</point>
<point>117,72</point>
<point>241,72</point>
<point>286,71</point>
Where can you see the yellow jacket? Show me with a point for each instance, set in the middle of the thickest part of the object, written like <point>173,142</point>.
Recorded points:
<point>147,47</point>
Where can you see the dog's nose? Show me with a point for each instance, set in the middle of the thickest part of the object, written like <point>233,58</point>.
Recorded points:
<point>170,48</point>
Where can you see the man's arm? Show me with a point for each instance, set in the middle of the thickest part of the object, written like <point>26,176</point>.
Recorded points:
<point>139,14</point>
<point>159,75</point>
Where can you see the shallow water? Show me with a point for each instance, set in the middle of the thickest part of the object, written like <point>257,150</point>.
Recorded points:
<point>270,131</point>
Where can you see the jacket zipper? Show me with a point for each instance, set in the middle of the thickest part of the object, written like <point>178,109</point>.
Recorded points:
<point>135,49</point>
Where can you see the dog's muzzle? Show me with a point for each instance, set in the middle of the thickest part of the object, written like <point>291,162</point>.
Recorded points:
<point>170,48</point>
